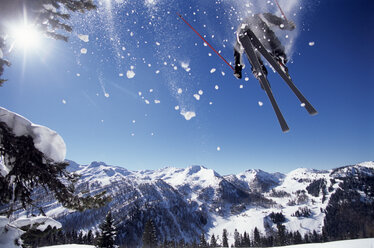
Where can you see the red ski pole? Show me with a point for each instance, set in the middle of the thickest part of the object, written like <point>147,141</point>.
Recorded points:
<point>281,10</point>
<point>205,41</point>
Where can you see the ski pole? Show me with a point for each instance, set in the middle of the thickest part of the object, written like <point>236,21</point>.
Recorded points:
<point>281,10</point>
<point>205,41</point>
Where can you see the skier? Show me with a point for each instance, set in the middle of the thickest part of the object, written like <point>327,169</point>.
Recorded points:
<point>260,25</point>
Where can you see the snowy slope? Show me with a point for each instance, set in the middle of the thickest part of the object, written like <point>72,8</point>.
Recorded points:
<point>355,243</point>
<point>184,201</point>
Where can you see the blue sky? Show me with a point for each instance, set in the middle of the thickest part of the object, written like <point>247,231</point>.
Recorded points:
<point>102,116</point>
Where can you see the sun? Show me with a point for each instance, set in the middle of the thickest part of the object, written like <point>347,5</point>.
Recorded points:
<point>26,36</point>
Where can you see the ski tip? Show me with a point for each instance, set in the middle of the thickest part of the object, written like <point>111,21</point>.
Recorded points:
<point>314,112</point>
<point>286,130</point>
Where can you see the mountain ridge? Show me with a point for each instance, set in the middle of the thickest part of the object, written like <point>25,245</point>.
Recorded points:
<point>185,202</point>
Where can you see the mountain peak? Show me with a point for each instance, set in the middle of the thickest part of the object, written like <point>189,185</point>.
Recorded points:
<point>97,164</point>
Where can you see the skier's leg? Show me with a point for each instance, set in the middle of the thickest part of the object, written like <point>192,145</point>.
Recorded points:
<point>276,47</point>
<point>238,66</point>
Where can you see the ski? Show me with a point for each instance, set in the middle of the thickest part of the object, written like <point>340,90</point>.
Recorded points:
<point>257,44</point>
<point>249,49</point>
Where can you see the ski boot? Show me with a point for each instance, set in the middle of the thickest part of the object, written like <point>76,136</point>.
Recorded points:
<point>238,71</point>
<point>282,62</point>
<point>257,74</point>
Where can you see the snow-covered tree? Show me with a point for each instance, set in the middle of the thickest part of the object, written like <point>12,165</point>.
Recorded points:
<point>31,157</point>
<point>48,16</point>
<point>24,167</point>
<point>108,233</point>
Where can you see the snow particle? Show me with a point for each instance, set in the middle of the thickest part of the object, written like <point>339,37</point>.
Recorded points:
<point>78,75</point>
<point>260,103</point>
<point>158,43</point>
<point>157,72</point>
<point>246,78</point>
<point>188,115</point>
<point>84,37</point>
<point>121,74</point>
<point>216,87</point>
<point>218,148</point>
<point>311,43</point>
<point>210,103</point>
<point>106,95</point>
<point>200,92</point>
<point>223,73</point>
<point>130,74</point>
<point>302,105</point>
<point>212,70</point>
<point>63,101</point>
<point>83,51</point>
<point>146,101</point>
<point>157,101</point>
<point>133,121</point>
<point>180,91</point>
<point>176,107</point>
<point>197,97</point>
<point>241,86</point>
<point>175,68</point>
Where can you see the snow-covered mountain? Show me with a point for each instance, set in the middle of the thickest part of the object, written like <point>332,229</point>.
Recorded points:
<point>185,202</point>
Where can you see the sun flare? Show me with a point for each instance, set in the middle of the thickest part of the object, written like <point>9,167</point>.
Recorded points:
<point>26,36</point>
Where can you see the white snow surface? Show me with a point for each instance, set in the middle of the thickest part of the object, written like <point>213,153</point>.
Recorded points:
<point>70,246</point>
<point>49,142</point>
<point>42,221</point>
<point>354,243</point>
<point>8,233</point>
<point>10,230</point>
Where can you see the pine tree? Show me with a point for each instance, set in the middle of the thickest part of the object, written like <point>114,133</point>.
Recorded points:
<point>281,235</point>
<point>29,169</point>
<point>48,16</point>
<point>203,242</point>
<point>89,239</point>
<point>149,235</point>
<point>213,241</point>
<point>256,238</point>
<point>225,242</point>
<point>246,241</point>
<point>107,233</point>
<point>297,238</point>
